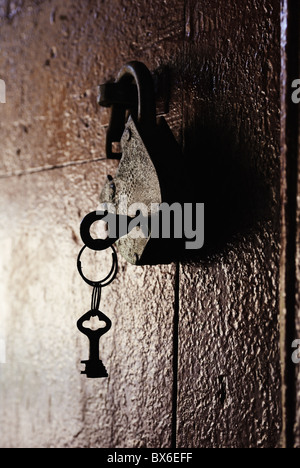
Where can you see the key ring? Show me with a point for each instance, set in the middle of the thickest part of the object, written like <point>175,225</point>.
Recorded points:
<point>108,279</point>
<point>94,366</point>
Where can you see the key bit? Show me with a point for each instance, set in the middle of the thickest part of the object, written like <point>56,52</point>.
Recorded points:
<point>94,366</point>
<point>94,369</point>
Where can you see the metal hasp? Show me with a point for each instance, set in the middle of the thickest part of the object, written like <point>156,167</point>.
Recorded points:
<point>150,158</point>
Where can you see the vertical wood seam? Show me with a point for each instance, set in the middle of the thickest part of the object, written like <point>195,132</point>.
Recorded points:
<point>290,15</point>
<point>175,355</point>
<point>177,279</point>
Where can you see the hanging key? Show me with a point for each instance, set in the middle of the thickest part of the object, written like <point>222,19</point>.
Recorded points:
<point>94,366</point>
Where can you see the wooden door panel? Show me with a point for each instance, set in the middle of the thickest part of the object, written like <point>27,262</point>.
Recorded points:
<point>53,57</point>
<point>229,363</point>
<point>53,168</point>
<point>220,65</point>
<point>44,399</point>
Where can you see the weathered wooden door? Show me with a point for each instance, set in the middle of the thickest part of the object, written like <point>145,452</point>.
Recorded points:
<point>193,355</point>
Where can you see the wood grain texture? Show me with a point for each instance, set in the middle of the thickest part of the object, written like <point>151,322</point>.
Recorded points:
<point>229,362</point>
<point>222,60</point>
<point>44,400</point>
<point>290,251</point>
<point>53,56</point>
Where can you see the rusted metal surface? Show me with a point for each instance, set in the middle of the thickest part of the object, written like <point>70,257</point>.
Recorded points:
<point>137,180</point>
<point>223,59</point>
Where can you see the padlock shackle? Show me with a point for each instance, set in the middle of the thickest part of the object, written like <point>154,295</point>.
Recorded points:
<point>146,112</point>
<point>133,90</point>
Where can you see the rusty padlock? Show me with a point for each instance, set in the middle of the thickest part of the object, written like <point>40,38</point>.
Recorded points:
<point>149,170</point>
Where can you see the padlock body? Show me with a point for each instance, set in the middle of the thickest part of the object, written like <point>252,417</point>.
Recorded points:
<point>147,176</point>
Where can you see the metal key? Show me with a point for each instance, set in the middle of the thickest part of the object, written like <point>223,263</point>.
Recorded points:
<point>94,366</point>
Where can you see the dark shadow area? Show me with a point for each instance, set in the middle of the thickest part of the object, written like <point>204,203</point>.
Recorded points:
<point>213,170</point>
<point>237,198</point>
<point>220,166</point>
